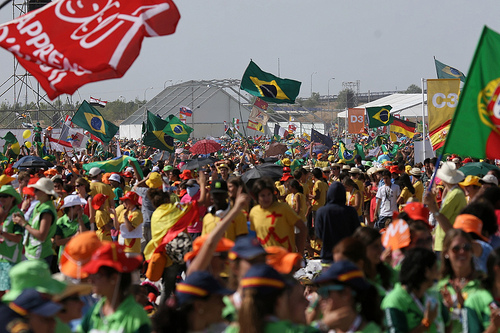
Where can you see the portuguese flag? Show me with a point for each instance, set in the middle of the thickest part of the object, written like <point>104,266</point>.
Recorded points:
<point>474,129</point>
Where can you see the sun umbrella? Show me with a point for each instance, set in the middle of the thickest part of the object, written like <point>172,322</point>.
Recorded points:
<point>32,162</point>
<point>264,170</point>
<point>198,163</point>
<point>205,147</point>
<point>276,149</point>
<point>477,168</point>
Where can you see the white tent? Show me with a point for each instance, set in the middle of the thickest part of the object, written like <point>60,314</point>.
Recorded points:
<point>405,105</point>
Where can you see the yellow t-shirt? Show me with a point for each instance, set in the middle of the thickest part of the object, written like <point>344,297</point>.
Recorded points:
<point>274,226</point>
<point>321,164</point>
<point>132,245</point>
<point>98,187</point>
<point>361,186</point>
<point>102,217</point>
<point>291,200</point>
<point>419,190</point>
<point>406,195</point>
<point>322,188</point>
<point>351,201</point>
<point>237,227</point>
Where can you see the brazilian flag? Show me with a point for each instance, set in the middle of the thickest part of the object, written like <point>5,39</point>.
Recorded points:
<point>379,116</point>
<point>447,72</point>
<point>153,135</point>
<point>268,87</point>
<point>345,154</point>
<point>177,129</point>
<point>10,139</point>
<point>87,117</point>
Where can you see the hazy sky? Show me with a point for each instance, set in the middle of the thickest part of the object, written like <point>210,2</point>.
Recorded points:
<point>387,45</point>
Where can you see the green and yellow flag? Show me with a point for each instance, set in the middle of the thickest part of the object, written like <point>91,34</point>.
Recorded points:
<point>177,129</point>
<point>379,116</point>
<point>268,87</point>
<point>153,136</point>
<point>447,72</point>
<point>345,154</point>
<point>474,129</point>
<point>87,117</point>
<point>10,139</point>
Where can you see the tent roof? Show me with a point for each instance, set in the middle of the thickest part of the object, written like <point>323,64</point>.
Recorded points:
<point>405,105</point>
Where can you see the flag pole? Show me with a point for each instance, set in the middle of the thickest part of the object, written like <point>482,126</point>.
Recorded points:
<point>423,121</point>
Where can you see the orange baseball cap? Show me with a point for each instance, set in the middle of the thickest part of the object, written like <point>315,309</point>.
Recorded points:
<point>77,253</point>
<point>470,224</point>
<point>417,211</point>
<point>282,260</point>
<point>224,245</point>
<point>131,195</point>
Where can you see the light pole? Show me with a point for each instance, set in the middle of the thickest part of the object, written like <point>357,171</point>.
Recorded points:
<point>312,82</point>
<point>145,93</point>
<point>124,102</point>
<point>329,91</point>
<point>165,83</point>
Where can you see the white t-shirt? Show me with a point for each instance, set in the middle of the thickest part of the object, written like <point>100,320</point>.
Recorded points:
<point>388,196</point>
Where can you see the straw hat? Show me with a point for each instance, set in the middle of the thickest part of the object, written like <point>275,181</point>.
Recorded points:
<point>45,185</point>
<point>416,172</point>
<point>448,173</point>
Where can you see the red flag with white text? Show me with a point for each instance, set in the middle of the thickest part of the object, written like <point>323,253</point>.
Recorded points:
<point>69,43</point>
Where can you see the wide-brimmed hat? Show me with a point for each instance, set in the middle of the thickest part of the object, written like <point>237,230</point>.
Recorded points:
<point>449,173</point>
<point>471,181</point>
<point>5,179</point>
<point>199,285</point>
<point>470,224</point>
<point>246,247</point>
<point>98,200</point>
<point>73,200</point>
<point>112,255</point>
<point>154,180</point>
<point>224,245</point>
<point>223,165</point>
<point>94,171</point>
<point>45,185</point>
<point>346,167</point>
<point>132,196</point>
<point>115,177</point>
<point>32,301</point>
<point>282,260</point>
<point>489,179</point>
<point>355,170</point>
<point>9,190</point>
<point>346,273</point>
<point>81,289</point>
<point>416,172</point>
<point>32,274</point>
<point>77,252</point>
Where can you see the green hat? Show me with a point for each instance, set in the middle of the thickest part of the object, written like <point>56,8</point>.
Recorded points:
<point>369,163</point>
<point>9,190</point>
<point>32,274</point>
<point>168,168</point>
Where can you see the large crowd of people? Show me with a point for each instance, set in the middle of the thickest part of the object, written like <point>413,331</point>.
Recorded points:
<point>324,245</point>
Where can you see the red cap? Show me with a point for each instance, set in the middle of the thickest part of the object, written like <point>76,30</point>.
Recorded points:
<point>131,195</point>
<point>112,255</point>
<point>285,177</point>
<point>98,200</point>
<point>127,174</point>
<point>395,169</point>
<point>30,190</point>
<point>224,245</point>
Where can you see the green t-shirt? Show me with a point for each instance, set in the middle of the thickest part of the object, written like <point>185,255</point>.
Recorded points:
<point>452,205</point>
<point>130,317</point>
<point>118,194</point>
<point>35,249</point>
<point>457,313</point>
<point>229,313</point>
<point>403,313</point>
<point>477,311</point>
<point>67,228</point>
<point>11,251</point>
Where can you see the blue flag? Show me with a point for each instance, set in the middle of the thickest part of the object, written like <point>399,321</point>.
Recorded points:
<point>318,137</point>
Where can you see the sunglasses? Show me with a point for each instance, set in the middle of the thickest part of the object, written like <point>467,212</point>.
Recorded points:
<point>74,298</point>
<point>221,255</point>
<point>324,292</point>
<point>4,196</point>
<point>465,247</point>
